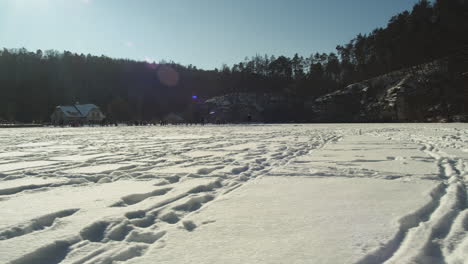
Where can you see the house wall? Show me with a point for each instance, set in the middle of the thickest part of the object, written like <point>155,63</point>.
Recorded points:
<point>95,115</point>
<point>57,116</point>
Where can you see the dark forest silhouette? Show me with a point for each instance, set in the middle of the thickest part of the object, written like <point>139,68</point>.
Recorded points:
<point>33,83</point>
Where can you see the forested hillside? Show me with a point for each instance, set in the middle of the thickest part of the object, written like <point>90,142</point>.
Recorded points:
<point>32,83</point>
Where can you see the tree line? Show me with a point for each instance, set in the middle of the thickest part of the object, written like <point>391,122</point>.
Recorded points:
<point>33,83</point>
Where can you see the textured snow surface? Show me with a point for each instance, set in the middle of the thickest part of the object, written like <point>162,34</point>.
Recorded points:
<point>349,193</point>
<point>294,220</point>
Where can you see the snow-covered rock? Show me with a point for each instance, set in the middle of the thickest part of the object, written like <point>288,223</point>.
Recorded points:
<point>420,93</point>
<point>239,106</point>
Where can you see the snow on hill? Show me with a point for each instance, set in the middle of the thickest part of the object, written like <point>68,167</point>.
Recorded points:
<point>426,92</point>
<point>421,93</point>
<point>373,193</point>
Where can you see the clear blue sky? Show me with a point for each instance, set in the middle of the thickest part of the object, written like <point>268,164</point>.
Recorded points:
<point>205,33</point>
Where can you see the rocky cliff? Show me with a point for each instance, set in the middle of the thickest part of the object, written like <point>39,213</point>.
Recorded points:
<point>424,93</point>
<point>243,107</point>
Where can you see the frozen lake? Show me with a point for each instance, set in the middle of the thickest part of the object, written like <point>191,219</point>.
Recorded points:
<point>324,193</point>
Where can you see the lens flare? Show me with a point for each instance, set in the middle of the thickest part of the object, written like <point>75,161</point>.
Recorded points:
<point>167,75</point>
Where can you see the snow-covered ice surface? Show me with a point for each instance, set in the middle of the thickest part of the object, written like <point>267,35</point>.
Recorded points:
<point>349,193</point>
